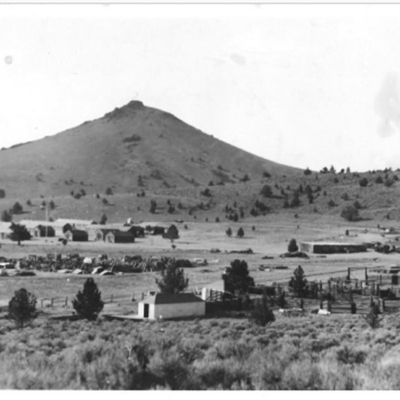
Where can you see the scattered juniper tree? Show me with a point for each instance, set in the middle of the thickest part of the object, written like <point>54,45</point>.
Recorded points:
<point>240,232</point>
<point>363,182</point>
<point>19,233</point>
<point>6,216</point>
<point>266,191</point>
<point>228,232</point>
<point>292,246</point>
<point>172,279</point>
<point>298,282</point>
<point>17,208</point>
<point>22,308</point>
<point>88,303</point>
<point>153,206</point>
<point>237,277</point>
<point>350,213</point>
<point>103,219</point>
<point>172,233</point>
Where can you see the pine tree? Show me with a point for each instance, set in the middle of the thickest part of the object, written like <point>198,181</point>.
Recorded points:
<point>228,232</point>
<point>240,232</point>
<point>237,277</point>
<point>172,279</point>
<point>298,282</point>
<point>6,216</point>
<point>103,220</point>
<point>17,208</point>
<point>153,206</point>
<point>22,308</point>
<point>292,247</point>
<point>172,233</point>
<point>19,233</point>
<point>88,303</point>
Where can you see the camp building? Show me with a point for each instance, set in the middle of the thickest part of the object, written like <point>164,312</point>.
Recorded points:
<point>332,247</point>
<point>169,306</point>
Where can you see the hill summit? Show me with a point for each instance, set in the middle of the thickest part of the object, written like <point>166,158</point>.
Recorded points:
<point>129,147</point>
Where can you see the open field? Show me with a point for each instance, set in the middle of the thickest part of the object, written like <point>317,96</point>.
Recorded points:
<point>270,237</point>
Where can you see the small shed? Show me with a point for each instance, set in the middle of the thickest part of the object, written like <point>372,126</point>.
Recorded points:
<point>76,235</point>
<point>119,237</point>
<point>170,306</point>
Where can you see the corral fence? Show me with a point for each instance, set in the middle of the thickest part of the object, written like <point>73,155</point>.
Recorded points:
<point>66,301</point>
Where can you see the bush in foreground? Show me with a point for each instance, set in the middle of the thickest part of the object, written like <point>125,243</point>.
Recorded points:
<point>22,308</point>
<point>261,314</point>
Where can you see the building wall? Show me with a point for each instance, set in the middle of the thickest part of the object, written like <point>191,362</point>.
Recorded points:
<point>177,310</point>
<point>124,239</point>
<point>306,247</point>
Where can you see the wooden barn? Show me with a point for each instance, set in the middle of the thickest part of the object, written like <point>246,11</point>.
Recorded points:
<point>76,235</point>
<point>117,236</point>
<point>170,306</point>
<point>332,247</point>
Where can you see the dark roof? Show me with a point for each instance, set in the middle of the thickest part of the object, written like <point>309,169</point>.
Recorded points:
<point>78,232</point>
<point>121,233</point>
<point>106,231</point>
<point>162,298</point>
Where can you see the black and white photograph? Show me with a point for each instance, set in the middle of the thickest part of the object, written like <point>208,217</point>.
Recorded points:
<point>199,197</point>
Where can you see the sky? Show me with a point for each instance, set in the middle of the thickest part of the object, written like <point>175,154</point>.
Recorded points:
<point>302,85</point>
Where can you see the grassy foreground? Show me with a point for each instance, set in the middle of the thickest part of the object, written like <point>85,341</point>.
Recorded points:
<point>311,352</point>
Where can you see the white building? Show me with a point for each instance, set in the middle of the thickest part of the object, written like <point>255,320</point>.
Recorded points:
<point>167,306</point>
<point>5,229</point>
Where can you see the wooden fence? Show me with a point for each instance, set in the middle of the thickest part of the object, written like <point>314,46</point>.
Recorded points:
<point>66,302</point>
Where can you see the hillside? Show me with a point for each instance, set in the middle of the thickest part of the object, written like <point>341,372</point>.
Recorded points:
<point>129,147</point>
<point>116,165</point>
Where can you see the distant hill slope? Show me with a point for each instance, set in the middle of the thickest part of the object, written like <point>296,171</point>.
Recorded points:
<point>131,147</point>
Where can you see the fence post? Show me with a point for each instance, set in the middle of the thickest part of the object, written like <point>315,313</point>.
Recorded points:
<point>111,299</point>
<point>52,301</point>
<point>133,297</point>
<point>66,302</point>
